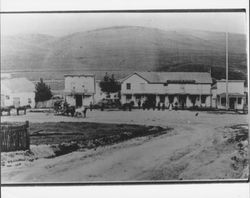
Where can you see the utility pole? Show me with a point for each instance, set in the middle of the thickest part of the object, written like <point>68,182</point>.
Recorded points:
<point>227,101</point>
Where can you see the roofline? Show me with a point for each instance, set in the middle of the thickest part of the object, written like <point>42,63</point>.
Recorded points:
<point>137,75</point>
<point>230,80</point>
<point>159,82</point>
<point>78,75</point>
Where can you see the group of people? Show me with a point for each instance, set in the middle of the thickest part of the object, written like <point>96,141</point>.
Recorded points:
<point>65,109</point>
<point>159,106</point>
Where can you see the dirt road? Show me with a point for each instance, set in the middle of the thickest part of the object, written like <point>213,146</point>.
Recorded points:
<point>195,149</point>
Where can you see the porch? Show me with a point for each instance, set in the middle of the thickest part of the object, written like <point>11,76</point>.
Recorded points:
<point>236,101</point>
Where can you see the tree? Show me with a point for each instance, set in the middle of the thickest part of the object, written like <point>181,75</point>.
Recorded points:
<point>110,84</point>
<point>42,92</point>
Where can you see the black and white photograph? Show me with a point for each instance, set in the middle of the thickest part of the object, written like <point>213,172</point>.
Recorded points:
<point>124,97</point>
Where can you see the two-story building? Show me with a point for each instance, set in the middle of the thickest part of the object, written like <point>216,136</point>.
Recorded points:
<point>236,94</point>
<point>79,89</point>
<point>185,89</point>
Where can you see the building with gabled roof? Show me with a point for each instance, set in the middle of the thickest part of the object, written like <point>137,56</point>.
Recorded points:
<point>17,92</point>
<point>184,89</point>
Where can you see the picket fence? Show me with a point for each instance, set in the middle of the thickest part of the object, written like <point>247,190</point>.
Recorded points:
<point>14,137</point>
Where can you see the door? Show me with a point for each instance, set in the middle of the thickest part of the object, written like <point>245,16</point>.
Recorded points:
<point>232,103</point>
<point>151,100</point>
<point>182,100</point>
<point>78,100</point>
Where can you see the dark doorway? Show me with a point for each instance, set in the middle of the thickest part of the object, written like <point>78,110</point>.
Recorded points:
<point>232,103</point>
<point>151,100</point>
<point>182,100</point>
<point>78,100</point>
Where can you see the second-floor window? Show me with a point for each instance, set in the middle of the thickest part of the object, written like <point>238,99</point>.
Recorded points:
<point>128,85</point>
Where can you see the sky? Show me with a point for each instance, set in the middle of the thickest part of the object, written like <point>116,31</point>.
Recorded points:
<point>61,24</point>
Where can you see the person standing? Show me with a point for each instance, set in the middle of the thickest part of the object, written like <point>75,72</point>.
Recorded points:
<point>90,106</point>
<point>102,106</point>
<point>163,106</point>
<point>85,112</point>
<point>159,106</point>
<point>175,106</point>
<point>143,105</point>
<point>170,107</point>
<point>139,104</point>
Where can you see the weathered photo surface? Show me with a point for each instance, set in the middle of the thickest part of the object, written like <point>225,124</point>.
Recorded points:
<point>124,97</point>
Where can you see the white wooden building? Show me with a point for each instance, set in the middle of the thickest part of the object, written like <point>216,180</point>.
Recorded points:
<point>17,92</point>
<point>79,89</point>
<point>186,89</point>
<point>236,94</point>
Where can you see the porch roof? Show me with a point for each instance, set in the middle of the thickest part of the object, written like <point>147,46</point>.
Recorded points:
<point>231,94</point>
<point>167,94</point>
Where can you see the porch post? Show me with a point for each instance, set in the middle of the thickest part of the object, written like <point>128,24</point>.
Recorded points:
<point>236,103</point>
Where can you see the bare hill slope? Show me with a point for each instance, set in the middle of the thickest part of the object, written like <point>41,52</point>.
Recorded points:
<point>126,49</point>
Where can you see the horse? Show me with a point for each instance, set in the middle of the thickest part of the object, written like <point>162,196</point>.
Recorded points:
<point>6,109</point>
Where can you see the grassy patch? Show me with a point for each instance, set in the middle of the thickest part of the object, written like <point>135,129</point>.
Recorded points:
<point>88,134</point>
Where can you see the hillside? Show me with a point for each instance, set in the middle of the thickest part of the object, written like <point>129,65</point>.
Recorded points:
<point>123,49</point>
<point>24,52</point>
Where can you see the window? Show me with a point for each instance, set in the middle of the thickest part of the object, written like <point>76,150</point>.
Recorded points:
<point>29,100</point>
<point>239,100</point>
<point>128,86</point>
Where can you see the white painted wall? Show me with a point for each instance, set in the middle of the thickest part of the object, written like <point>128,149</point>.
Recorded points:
<point>87,100</point>
<point>233,87</point>
<point>237,105</point>
<point>25,98</point>
<point>188,88</point>
<point>139,85</point>
<point>83,84</point>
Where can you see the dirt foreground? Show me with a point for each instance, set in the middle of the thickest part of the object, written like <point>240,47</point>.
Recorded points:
<point>202,147</point>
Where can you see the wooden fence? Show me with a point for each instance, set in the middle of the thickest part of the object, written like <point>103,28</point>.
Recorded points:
<point>14,137</point>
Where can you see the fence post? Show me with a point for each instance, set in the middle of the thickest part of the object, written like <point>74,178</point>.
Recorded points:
<point>27,135</point>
